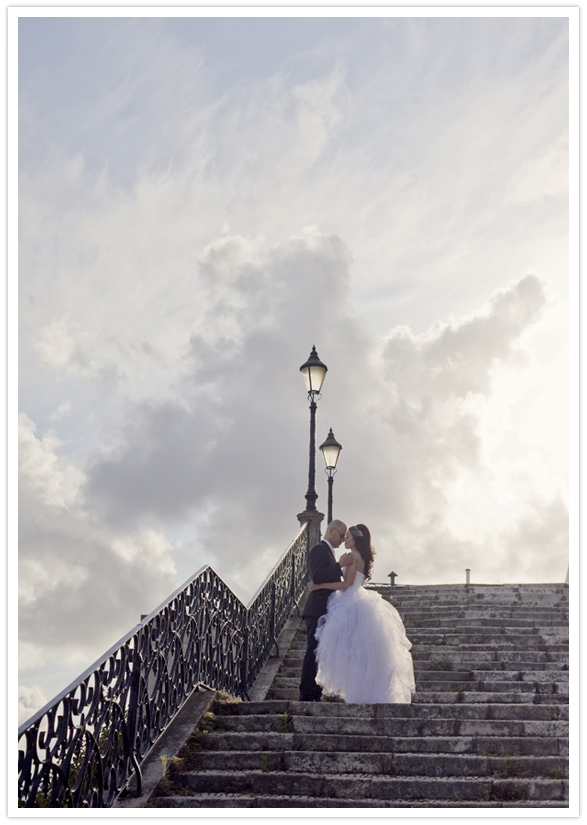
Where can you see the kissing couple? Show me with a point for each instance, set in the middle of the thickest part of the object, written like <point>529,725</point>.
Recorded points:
<point>357,648</point>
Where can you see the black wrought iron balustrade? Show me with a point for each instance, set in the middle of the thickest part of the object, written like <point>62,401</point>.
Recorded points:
<point>82,749</point>
<point>273,604</point>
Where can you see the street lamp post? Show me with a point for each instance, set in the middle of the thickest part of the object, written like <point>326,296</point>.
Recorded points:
<point>313,371</point>
<point>330,451</point>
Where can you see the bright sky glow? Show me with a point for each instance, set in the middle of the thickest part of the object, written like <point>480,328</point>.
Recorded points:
<point>203,199</point>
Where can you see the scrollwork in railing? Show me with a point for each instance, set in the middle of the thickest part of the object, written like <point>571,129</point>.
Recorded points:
<point>82,749</point>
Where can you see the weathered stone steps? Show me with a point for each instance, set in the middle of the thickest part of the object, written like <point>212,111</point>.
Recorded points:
<point>479,656</point>
<point>380,763</point>
<point>488,725</point>
<point>468,641</point>
<point>458,694</point>
<point>492,624</point>
<point>392,726</point>
<point>292,671</point>
<point>223,800</point>
<point>454,613</point>
<point>484,684</point>
<point>424,669</point>
<point>361,787</point>
<point>503,746</point>
<point>488,655</point>
<point>277,708</point>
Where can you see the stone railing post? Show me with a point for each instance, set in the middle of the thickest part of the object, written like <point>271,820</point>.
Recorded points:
<point>313,518</point>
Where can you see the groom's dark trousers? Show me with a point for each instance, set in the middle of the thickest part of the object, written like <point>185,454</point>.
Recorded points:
<point>322,567</point>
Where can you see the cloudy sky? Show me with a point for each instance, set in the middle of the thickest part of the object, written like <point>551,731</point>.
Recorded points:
<point>201,200</point>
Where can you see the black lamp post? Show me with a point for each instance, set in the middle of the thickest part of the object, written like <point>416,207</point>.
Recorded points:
<point>330,451</point>
<point>314,372</point>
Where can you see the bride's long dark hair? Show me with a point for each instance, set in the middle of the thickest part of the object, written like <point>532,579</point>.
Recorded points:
<point>362,537</point>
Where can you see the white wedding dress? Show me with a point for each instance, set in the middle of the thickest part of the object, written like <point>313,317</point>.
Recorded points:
<point>363,653</point>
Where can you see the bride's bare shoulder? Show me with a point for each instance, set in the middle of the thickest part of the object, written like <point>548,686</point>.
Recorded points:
<point>359,561</point>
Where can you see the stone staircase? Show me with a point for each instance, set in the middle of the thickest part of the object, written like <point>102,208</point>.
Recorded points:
<point>487,728</point>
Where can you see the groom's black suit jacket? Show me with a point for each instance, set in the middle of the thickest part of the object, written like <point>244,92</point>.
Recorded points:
<point>322,567</point>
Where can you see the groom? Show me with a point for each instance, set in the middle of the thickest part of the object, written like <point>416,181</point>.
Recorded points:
<point>322,567</point>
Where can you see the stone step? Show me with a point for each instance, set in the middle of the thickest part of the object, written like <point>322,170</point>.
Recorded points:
<point>460,656</point>
<point>385,764</point>
<point>390,726</point>
<point>463,631</point>
<point>350,786</point>
<point>472,659</point>
<point>485,685</point>
<point>478,602</point>
<point>456,612</point>
<point>426,592</point>
<point>554,634</point>
<point>210,800</point>
<point>464,640</point>
<point>486,597</point>
<point>542,670</point>
<point>457,694</point>
<point>278,708</point>
<point>534,645</point>
<point>464,682</point>
<point>358,743</point>
<point>489,697</point>
<point>494,675</point>
<point>490,685</point>
<point>522,625</point>
<point>435,619</point>
<point>438,671</point>
<point>474,586</point>
<point>556,638</point>
<point>292,666</point>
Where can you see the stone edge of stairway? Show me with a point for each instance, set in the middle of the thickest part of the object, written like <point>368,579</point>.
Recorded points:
<point>264,680</point>
<point>169,745</point>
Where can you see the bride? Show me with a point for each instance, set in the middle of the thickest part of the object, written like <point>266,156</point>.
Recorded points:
<point>363,653</point>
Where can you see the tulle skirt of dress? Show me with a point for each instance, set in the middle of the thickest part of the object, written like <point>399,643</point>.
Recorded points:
<point>363,653</point>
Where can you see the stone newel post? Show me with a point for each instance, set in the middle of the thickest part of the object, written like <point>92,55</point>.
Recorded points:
<point>314,519</point>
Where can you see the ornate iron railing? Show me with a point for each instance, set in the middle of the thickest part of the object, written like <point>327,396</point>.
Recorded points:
<point>83,748</point>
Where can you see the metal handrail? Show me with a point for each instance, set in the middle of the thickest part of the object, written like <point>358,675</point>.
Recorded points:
<point>83,748</point>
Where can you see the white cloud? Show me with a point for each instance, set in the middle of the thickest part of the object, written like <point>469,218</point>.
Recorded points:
<point>30,699</point>
<point>56,344</point>
<point>58,482</point>
<point>63,410</point>
<point>147,548</point>
<point>459,358</point>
